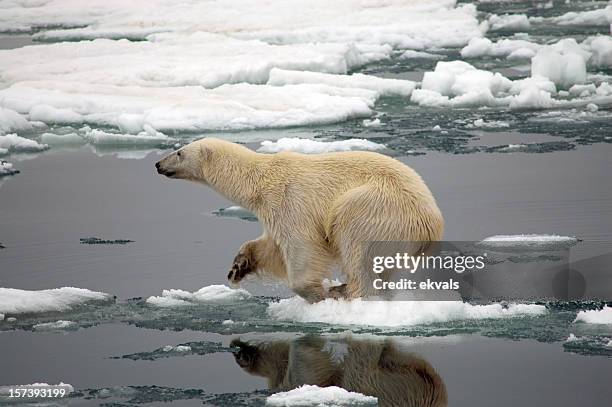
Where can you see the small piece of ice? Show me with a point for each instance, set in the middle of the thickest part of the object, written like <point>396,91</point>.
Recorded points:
<point>15,301</point>
<point>309,395</point>
<point>598,317</point>
<point>372,123</point>
<point>307,146</point>
<point>211,293</point>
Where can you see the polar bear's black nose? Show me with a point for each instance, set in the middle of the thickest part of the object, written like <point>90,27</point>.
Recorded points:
<point>157,165</point>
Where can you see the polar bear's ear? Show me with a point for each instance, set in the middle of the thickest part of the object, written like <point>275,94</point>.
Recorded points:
<point>205,151</point>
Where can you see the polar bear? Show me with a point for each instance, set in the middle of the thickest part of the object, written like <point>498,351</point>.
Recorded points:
<point>317,210</point>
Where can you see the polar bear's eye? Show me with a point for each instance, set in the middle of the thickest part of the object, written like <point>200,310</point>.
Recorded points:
<point>178,153</point>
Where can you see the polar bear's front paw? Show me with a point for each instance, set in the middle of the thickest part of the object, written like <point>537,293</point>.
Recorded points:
<point>241,267</point>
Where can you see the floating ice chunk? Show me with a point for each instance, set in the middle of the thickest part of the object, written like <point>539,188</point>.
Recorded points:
<point>53,115</point>
<point>591,107</point>
<point>6,168</point>
<point>563,68</point>
<point>211,293</point>
<point>532,98</point>
<point>384,87</point>
<point>571,338</point>
<point>146,138</point>
<point>236,212</point>
<point>600,17</point>
<point>392,313</point>
<point>310,395</point>
<point>177,348</point>
<point>481,123</point>
<point>372,123</point>
<point>533,241</point>
<point>60,325</point>
<point>510,48</point>
<point>457,78</point>
<point>307,146</point>
<point>411,54</point>
<point>601,317</point>
<point>601,48</point>
<point>514,22</point>
<point>14,301</point>
<point>227,322</point>
<point>53,139</point>
<point>16,144</point>
<point>10,121</point>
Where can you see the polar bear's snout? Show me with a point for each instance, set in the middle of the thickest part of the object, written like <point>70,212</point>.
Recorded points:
<point>161,169</point>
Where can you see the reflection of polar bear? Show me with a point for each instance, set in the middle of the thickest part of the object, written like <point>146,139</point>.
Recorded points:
<point>373,368</point>
<point>316,210</point>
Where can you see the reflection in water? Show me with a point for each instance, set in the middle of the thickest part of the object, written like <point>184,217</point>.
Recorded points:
<point>374,368</point>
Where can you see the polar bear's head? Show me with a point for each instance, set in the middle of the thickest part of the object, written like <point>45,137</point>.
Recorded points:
<point>185,163</point>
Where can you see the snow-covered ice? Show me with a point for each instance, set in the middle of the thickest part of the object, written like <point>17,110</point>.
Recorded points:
<point>15,301</point>
<point>601,317</point>
<point>564,68</point>
<point>308,146</point>
<point>211,293</point>
<point>384,87</point>
<point>53,139</point>
<point>177,348</point>
<point>311,395</point>
<point>412,54</point>
<point>392,313</point>
<point>16,144</point>
<point>372,123</point>
<point>599,17</point>
<point>11,121</point>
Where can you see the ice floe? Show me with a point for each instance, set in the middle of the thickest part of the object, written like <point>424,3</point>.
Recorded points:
<point>510,22</point>
<point>412,54</point>
<point>308,146</point>
<point>565,68</point>
<point>16,144</point>
<point>372,123</point>
<point>311,395</point>
<point>147,137</point>
<point>393,313</point>
<point>53,139</point>
<point>529,241</point>
<point>193,108</point>
<point>602,317</point>
<point>211,293</point>
<point>6,168</point>
<point>15,301</point>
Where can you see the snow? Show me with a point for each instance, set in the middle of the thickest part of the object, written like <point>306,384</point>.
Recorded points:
<point>533,241</point>
<point>11,121</point>
<point>211,293</point>
<point>15,301</point>
<point>384,87</point>
<point>6,168</point>
<point>392,313</point>
<point>514,22</point>
<point>307,146</point>
<point>601,317</point>
<point>55,326</point>
<point>16,144</point>
<point>481,123</point>
<point>310,395</point>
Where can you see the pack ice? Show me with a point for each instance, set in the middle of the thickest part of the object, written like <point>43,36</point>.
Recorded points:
<point>214,66</point>
<point>310,395</point>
